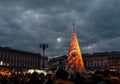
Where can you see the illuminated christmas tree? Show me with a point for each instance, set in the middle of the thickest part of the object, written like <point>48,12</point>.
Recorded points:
<point>74,61</point>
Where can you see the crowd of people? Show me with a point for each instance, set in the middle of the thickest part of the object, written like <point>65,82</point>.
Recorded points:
<point>62,77</point>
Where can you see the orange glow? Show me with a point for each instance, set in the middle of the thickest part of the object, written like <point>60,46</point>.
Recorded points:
<point>74,60</point>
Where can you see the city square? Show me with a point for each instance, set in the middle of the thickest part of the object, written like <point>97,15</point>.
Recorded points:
<point>59,42</point>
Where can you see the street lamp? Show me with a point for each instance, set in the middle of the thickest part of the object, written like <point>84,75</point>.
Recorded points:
<point>43,46</point>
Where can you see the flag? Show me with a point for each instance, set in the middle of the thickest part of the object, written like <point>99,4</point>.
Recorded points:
<point>74,61</point>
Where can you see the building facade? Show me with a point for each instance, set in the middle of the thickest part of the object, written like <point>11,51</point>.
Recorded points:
<point>102,61</point>
<point>96,61</point>
<point>17,60</point>
<point>56,63</point>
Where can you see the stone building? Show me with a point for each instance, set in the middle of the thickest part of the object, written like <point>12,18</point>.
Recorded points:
<point>102,61</point>
<point>57,62</point>
<point>96,61</point>
<point>18,60</point>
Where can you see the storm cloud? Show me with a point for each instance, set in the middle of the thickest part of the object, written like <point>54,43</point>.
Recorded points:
<point>24,24</point>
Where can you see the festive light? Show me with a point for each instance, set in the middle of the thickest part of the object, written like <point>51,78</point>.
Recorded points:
<point>74,61</point>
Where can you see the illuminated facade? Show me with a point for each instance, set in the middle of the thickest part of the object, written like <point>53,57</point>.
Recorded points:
<point>101,61</point>
<point>57,63</point>
<point>96,61</point>
<point>20,60</point>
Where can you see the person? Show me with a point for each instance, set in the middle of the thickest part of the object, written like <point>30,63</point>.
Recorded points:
<point>97,77</point>
<point>49,79</point>
<point>34,79</point>
<point>79,79</point>
<point>3,80</point>
<point>61,77</point>
<point>114,78</point>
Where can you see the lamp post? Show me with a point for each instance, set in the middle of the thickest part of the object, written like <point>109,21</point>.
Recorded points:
<point>43,46</point>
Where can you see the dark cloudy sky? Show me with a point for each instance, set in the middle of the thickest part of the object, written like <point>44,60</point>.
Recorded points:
<point>24,24</point>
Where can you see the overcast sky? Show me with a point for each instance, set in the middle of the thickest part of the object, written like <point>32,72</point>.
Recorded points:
<point>24,24</point>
